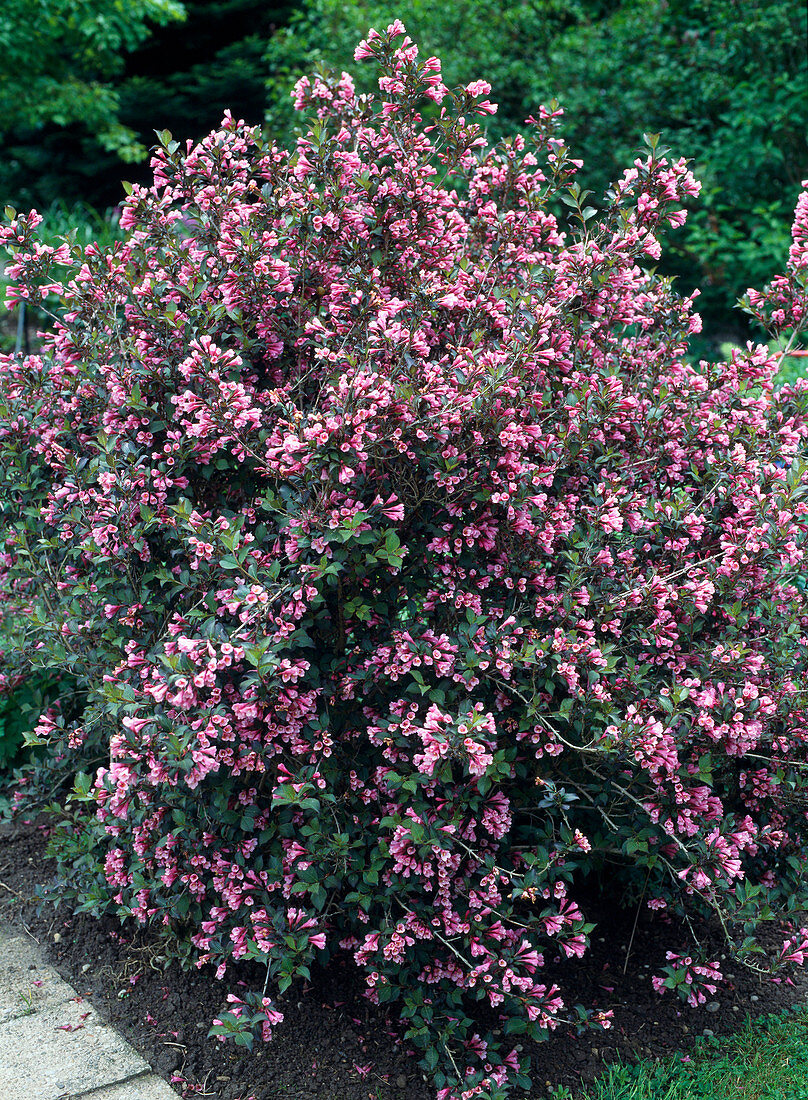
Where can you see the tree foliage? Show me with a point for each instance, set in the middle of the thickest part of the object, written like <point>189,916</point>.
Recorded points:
<point>120,90</point>
<point>60,59</point>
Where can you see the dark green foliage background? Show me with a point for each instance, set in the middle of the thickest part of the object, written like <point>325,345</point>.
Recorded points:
<point>182,77</point>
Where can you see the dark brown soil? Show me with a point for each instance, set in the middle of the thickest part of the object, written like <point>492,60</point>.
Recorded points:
<point>333,1044</point>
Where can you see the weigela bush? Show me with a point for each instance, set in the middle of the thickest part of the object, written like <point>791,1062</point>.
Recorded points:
<point>407,571</point>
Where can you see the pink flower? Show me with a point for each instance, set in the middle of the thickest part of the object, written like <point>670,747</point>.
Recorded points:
<point>364,50</point>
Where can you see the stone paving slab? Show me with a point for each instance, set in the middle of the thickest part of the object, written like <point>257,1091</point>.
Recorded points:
<point>62,1050</point>
<point>26,983</point>
<point>53,1044</point>
<point>137,1088</point>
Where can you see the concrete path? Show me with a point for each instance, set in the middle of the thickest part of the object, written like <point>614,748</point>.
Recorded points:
<point>53,1044</point>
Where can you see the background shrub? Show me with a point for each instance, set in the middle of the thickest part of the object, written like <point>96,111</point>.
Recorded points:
<point>408,573</point>
<point>59,62</point>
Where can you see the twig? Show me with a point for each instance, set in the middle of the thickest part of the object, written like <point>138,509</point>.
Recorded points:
<point>636,919</point>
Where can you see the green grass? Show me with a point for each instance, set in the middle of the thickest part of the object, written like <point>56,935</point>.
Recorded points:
<point>766,1060</point>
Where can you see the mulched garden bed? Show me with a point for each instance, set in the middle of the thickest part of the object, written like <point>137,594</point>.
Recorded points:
<point>333,1044</point>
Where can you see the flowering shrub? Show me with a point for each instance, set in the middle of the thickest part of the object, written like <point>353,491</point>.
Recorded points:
<point>407,570</point>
